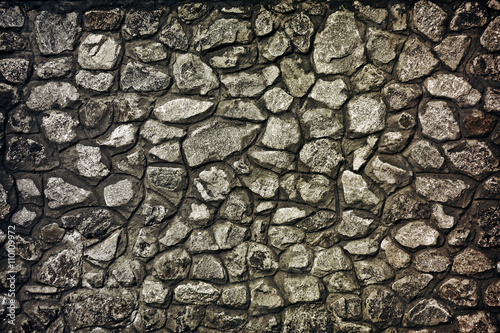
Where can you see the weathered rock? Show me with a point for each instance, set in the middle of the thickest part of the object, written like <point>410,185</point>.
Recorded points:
<point>92,222</point>
<point>452,87</point>
<point>208,268</point>
<point>297,258</point>
<point>356,191</point>
<point>373,271</point>
<point>61,193</point>
<point>282,133</point>
<point>265,324</point>
<point>365,246</point>
<point>471,157</point>
<point>103,19</point>
<point>432,261</point>
<point>265,297</point>
<point>308,188</point>
<point>184,318</point>
<point>141,23</point>
<point>96,116</point>
<point>54,68</point>
<point>235,57</point>
<point>472,262</point>
<point>300,30</point>
<point>438,122</point>
<point>264,23</point>
<point>377,15</point>
<point>429,19</point>
<point>478,123</point>
<point>246,84</point>
<point>14,70</point>
<point>262,260</point>
<point>411,285</point>
<point>193,76</point>
<point>243,109</point>
<point>59,127</point>
<point>485,66</point>
<point>11,17</point>
<point>345,306</point>
<point>489,39</point>
<point>369,78</point>
<point>143,78</point>
<point>459,291</point>
<point>443,220</point>
<point>156,132</point>
<point>297,75</point>
<point>121,192</point>
<point>365,115</point>
<point>147,51</point>
<point>452,49</point>
<point>174,36</point>
<point>175,109</point>
<point>277,100</point>
<point>356,224</point>
<point>417,234</point>
<point>329,261</point>
<point>322,155</point>
<point>401,95</point>
<point>390,172</point>
<point>191,11</point>
<point>86,161</point>
<point>282,237</point>
<point>275,46</point>
<point>452,190</point>
<point>459,237</point>
<point>98,52</point>
<point>381,46</point>
<point>338,48</point>
<point>416,60</point>
<point>425,156</point>
<point>201,241</point>
<point>172,265</point>
<point>331,93</point>
<point>275,160</point>
<point>101,82</point>
<point>485,215</point>
<point>427,312</point>
<point>319,123</point>
<point>235,296</point>
<point>222,32</point>
<point>12,42</point>
<point>214,184</point>
<point>120,136</point>
<point>469,15</point>
<point>236,264</point>
<point>229,235</point>
<point>306,318</point>
<point>381,305</point>
<point>492,294</point>
<point>300,288</point>
<point>477,321</point>
<point>52,94</point>
<point>56,33</point>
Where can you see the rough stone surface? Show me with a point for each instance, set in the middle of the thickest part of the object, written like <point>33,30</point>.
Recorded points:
<point>438,121</point>
<point>429,19</point>
<point>416,60</point>
<point>365,115</point>
<point>471,157</point>
<point>143,78</point>
<point>193,75</point>
<point>98,52</point>
<point>452,87</point>
<point>56,33</point>
<point>452,49</point>
<point>331,93</point>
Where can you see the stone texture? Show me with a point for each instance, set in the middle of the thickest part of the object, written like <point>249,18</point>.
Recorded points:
<point>471,262</point>
<point>143,78</point>
<point>322,155</point>
<point>425,155</point>
<point>438,121</point>
<point>101,82</point>
<point>331,93</point>
<point>174,36</point>
<point>56,33</point>
<point>103,19</point>
<point>389,172</point>
<point>452,190</point>
<point>141,23</point>
<point>428,312</point>
<point>222,32</point>
<point>365,115</point>
<point>275,46</point>
<point>432,261</point>
<point>356,191</point>
<point>489,39</point>
<point>98,52</point>
<point>59,127</point>
<point>192,75</point>
<point>452,87</point>
<point>52,94</point>
<point>459,291</point>
<point>373,271</point>
<point>401,95</point>
<point>15,70</point>
<point>281,133</point>
<point>296,75</point>
<point>416,60</point>
<point>11,17</point>
<point>477,321</point>
<point>381,305</point>
<point>306,318</point>
<point>429,19</point>
<point>319,123</point>
<point>452,49</point>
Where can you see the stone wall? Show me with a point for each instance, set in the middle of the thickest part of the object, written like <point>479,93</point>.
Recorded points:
<point>242,167</point>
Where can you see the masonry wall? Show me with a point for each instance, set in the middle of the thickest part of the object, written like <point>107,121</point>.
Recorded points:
<point>249,167</point>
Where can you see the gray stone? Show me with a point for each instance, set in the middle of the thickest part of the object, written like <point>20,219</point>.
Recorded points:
<point>236,296</point>
<point>184,318</point>
<point>154,291</point>
<point>25,217</point>
<point>330,260</point>
<point>101,82</point>
<point>96,116</point>
<point>417,234</point>
<point>429,19</point>
<point>59,127</point>
<point>176,232</point>
<point>239,57</point>
<point>296,259</point>
<point>296,75</point>
<point>262,260</point>
<point>472,262</point>
<point>394,141</point>
<point>191,11</point>
<point>411,285</point>
<point>485,66</point>
<point>282,133</point>
<point>86,161</point>
<point>133,107</point>
<point>141,23</point>
<point>244,84</point>
<point>264,324</point>
<point>275,160</point>
<point>473,321</point>
<point>11,42</point>
<point>365,246</point>
<point>302,288</point>
<point>451,190</point>
<point>381,305</point>
<point>300,30</point>
<point>306,318</point>
<point>381,46</point>
<point>471,157</point>
<point>289,215</point>
<point>214,184</point>
<point>365,115</point>
<point>21,121</point>
<point>147,51</point>
<point>331,93</point>
<point>459,291</point>
<point>396,257</point>
<point>469,15</point>
<point>156,132</point>
<point>356,191</point>
<point>438,122</point>
<point>11,17</point>
<point>265,297</point>
<point>26,154</point>
<point>452,49</point>
<point>28,188</point>
<point>166,179</point>
<point>236,264</point>
<point>275,46</point>
<point>355,224</point>
<point>225,138</point>
<point>489,39</point>
<point>86,307</point>
<point>401,95</point>
<point>432,261</point>
<point>322,155</point>
<point>453,87</point>
<point>60,193</point>
<point>312,189</point>
<point>373,271</point>
<point>92,222</point>
<point>174,109</point>
<point>15,70</point>
<point>201,241</point>
<point>428,312</point>
<point>127,272</point>
<point>103,251</point>
<point>443,220</point>
<point>243,109</point>
<point>484,214</point>
<point>458,237</point>
<point>168,152</point>
<point>222,32</point>
<point>56,33</point>
<point>390,172</point>
<point>52,94</point>
<point>277,100</point>
<point>146,243</point>
<point>229,235</point>
<point>425,156</point>
<point>209,268</point>
<point>369,78</point>
<point>492,294</point>
<point>143,78</point>
<point>342,281</point>
<point>416,60</point>
<point>98,52</point>
<point>174,36</point>
<point>345,306</point>
<point>264,23</point>
<point>172,265</point>
<point>282,237</point>
<point>120,136</point>
<point>338,48</point>
<point>319,123</point>
<point>103,19</point>
<point>377,15</point>
<point>192,75</point>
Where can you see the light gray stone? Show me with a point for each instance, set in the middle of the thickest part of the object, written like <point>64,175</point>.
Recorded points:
<point>156,132</point>
<point>401,95</point>
<point>322,155</point>
<point>243,109</point>
<point>300,30</point>
<point>276,160</point>
<point>451,190</point>
<point>275,46</point>
<point>239,57</point>
<point>417,234</point>
<point>54,68</point>
<point>229,235</point>
<point>377,15</point>
<point>154,291</point>
<point>59,127</point>
<point>472,262</point>
<point>306,318</point>
<point>174,109</point>
<point>282,133</point>
<point>428,312</point>
<point>356,190</point>
<point>52,94</point>
<point>56,33</point>
<point>381,46</point>
<point>373,271</point>
<point>296,75</point>
<point>432,261</point>
<point>366,246</point>
<point>192,75</point>
<point>395,256</point>
<point>143,78</point>
<point>214,184</point>
<point>452,49</point>
<point>312,189</point>
<point>302,288</point>
<point>341,282</point>
<point>330,260</point>
<point>425,155</point>
<point>24,217</point>
<point>86,161</point>
<point>209,268</point>
<point>277,100</point>
<point>390,172</point>
<point>469,322</point>
<point>119,193</point>
<point>98,52</point>
<point>244,84</point>
<point>148,52</point>
<point>416,60</point>
<point>331,93</point>
<point>196,292</point>
<point>101,82</point>
<point>265,297</point>
<point>369,78</point>
<point>222,32</point>
<point>15,70</point>
<point>453,87</point>
<point>120,136</point>
<point>365,114</point>
<point>282,237</point>
<point>429,19</point>
<point>11,17</point>
<point>297,258</point>
<point>438,121</point>
<point>356,224</point>
<point>319,123</point>
<point>471,157</point>
<point>60,193</point>
<point>168,152</point>
<point>264,23</point>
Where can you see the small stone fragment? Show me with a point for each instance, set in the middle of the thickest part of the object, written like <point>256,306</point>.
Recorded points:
<point>265,297</point>
<point>390,172</point>
<point>322,155</point>
<point>330,260</point>
<point>452,87</point>
<point>492,294</point>
<point>300,30</point>
<point>174,36</point>
<point>239,57</point>
<point>264,23</point>
<point>296,74</point>
<point>191,11</point>
<point>417,234</point>
<point>401,95</point>
<point>306,318</point>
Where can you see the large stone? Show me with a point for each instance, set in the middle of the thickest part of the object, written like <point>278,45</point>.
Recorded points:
<point>172,265</point>
<point>405,205</point>
<point>275,160</point>
<point>485,215</point>
<point>174,109</point>
<point>411,285</point>
<point>264,23</point>
<point>401,95</point>
<point>184,318</point>
<point>432,261</point>
<point>471,157</point>
<point>298,289</point>
<point>101,82</point>
<point>322,155</point>
<point>98,52</point>
<point>92,222</point>
<point>365,115</point>
<point>452,190</point>
<point>300,30</point>
<point>297,258</point>
<point>54,68</point>
<point>143,78</point>
<point>489,39</point>
<point>477,322</point>
<point>417,234</point>
<point>428,312</point>
<point>356,191</point>
<point>193,76</point>
<point>209,268</point>
<point>453,87</point>
<point>305,319</point>
<point>308,188</point>
<point>222,32</point>
<point>438,121</point>
<point>141,23</point>
<point>56,33</point>
<point>429,19</point>
<point>52,94</point>
<point>381,46</point>
<point>15,70</point>
<point>225,138</point>
<point>416,60</point>
<point>319,123</point>
<point>296,74</point>
<point>11,17</point>
<point>282,133</point>
<point>356,224</point>
<point>147,52</point>
<point>282,237</point>
<point>382,305</point>
<point>459,291</point>
<point>265,297</point>
<point>330,260</point>
<point>469,15</point>
<point>243,109</point>
<point>472,262</point>
<point>369,78</point>
<point>156,132</point>
<point>277,100</point>
<point>174,36</point>
<point>341,282</point>
<point>338,48</point>
<point>59,127</point>
<point>86,161</point>
<point>373,271</point>
<point>345,306</point>
<point>331,93</point>
<point>245,84</point>
<point>275,46</point>
<point>103,19</point>
<point>60,193</point>
<point>452,49</point>
<point>214,183</point>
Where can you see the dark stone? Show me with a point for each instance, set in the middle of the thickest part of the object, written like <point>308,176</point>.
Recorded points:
<point>11,42</point>
<point>29,153</point>
<point>478,124</point>
<point>489,189</point>
<point>141,23</point>
<point>56,33</point>
<point>486,66</point>
<point>405,205</point>
<point>103,19</point>
<point>92,222</point>
<point>486,215</point>
<point>469,15</point>
<point>306,319</point>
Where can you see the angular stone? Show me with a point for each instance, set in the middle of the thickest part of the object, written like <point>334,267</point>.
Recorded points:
<point>101,82</point>
<point>338,48</point>
<point>373,271</point>
<point>288,215</point>
<point>472,262</point>
<point>458,237</point>
<point>242,109</point>
<point>451,190</point>
<point>416,60</point>
<point>214,184</point>
<point>239,57</point>
<point>369,78</point>
<point>438,122</point>
<point>296,75</point>
<point>143,78</point>
<point>133,107</point>
<point>411,285</point>
<point>14,70</point>
<point>277,100</point>
<point>417,234</point>
<point>452,49</point>
<point>56,33</point>
<point>425,155</point>
<point>381,305</point>
<point>305,288</point>
<point>356,191</point>
<point>119,193</point>
<point>485,214</point>
<point>365,246</point>
<point>306,318</point>
<point>297,258</point>
<point>25,217</point>
<point>459,291</point>
<point>181,110</point>
<point>275,46</point>
<point>262,260</point>
<point>59,127</point>
<point>429,19</point>
<point>329,261</point>
<point>229,235</point>
<point>275,160</point>
<point>86,307</point>
<point>308,188</point>
<point>452,87</point>
<point>264,324</point>
<point>141,23</point>
<point>322,155</point>
<point>156,132</point>
<point>120,136</point>
<point>174,36</point>
<point>54,68</point>
<point>127,272</point>
<point>365,115</point>
<point>489,39</point>
<point>98,52</point>
<point>265,297</point>
<point>282,133</point>
<point>60,193</point>
<point>478,123</point>
<point>86,161</point>
<point>201,241</point>
<point>477,321</point>
<point>428,312</point>
<point>244,84</point>
<point>471,157</point>
<point>345,306</point>
<point>11,17</point>
<point>92,222</point>
<point>381,46</point>
<point>401,95</point>
<point>469,15</point>
<point>390,172</point>
<point>222,32</point>
<point>11,42</point>
<point>147,52</point>
<point>52,94</point>
<point>331,93</point>
<point>191,11</point>
<point>300,30</point>
<point>172,265</point>
<point>492,294</point>
<point>319,123</point>
<point>283,236</point>
<point>264,23</point>
<point>342,281</point>
<point>485,66</point>
<point>103,19</point>
<point>356,224</point>
<point>208,268</point>
<point>443,220</point>
<point>192,75</point>
<point>184,318</point>
<point>396,257</point>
